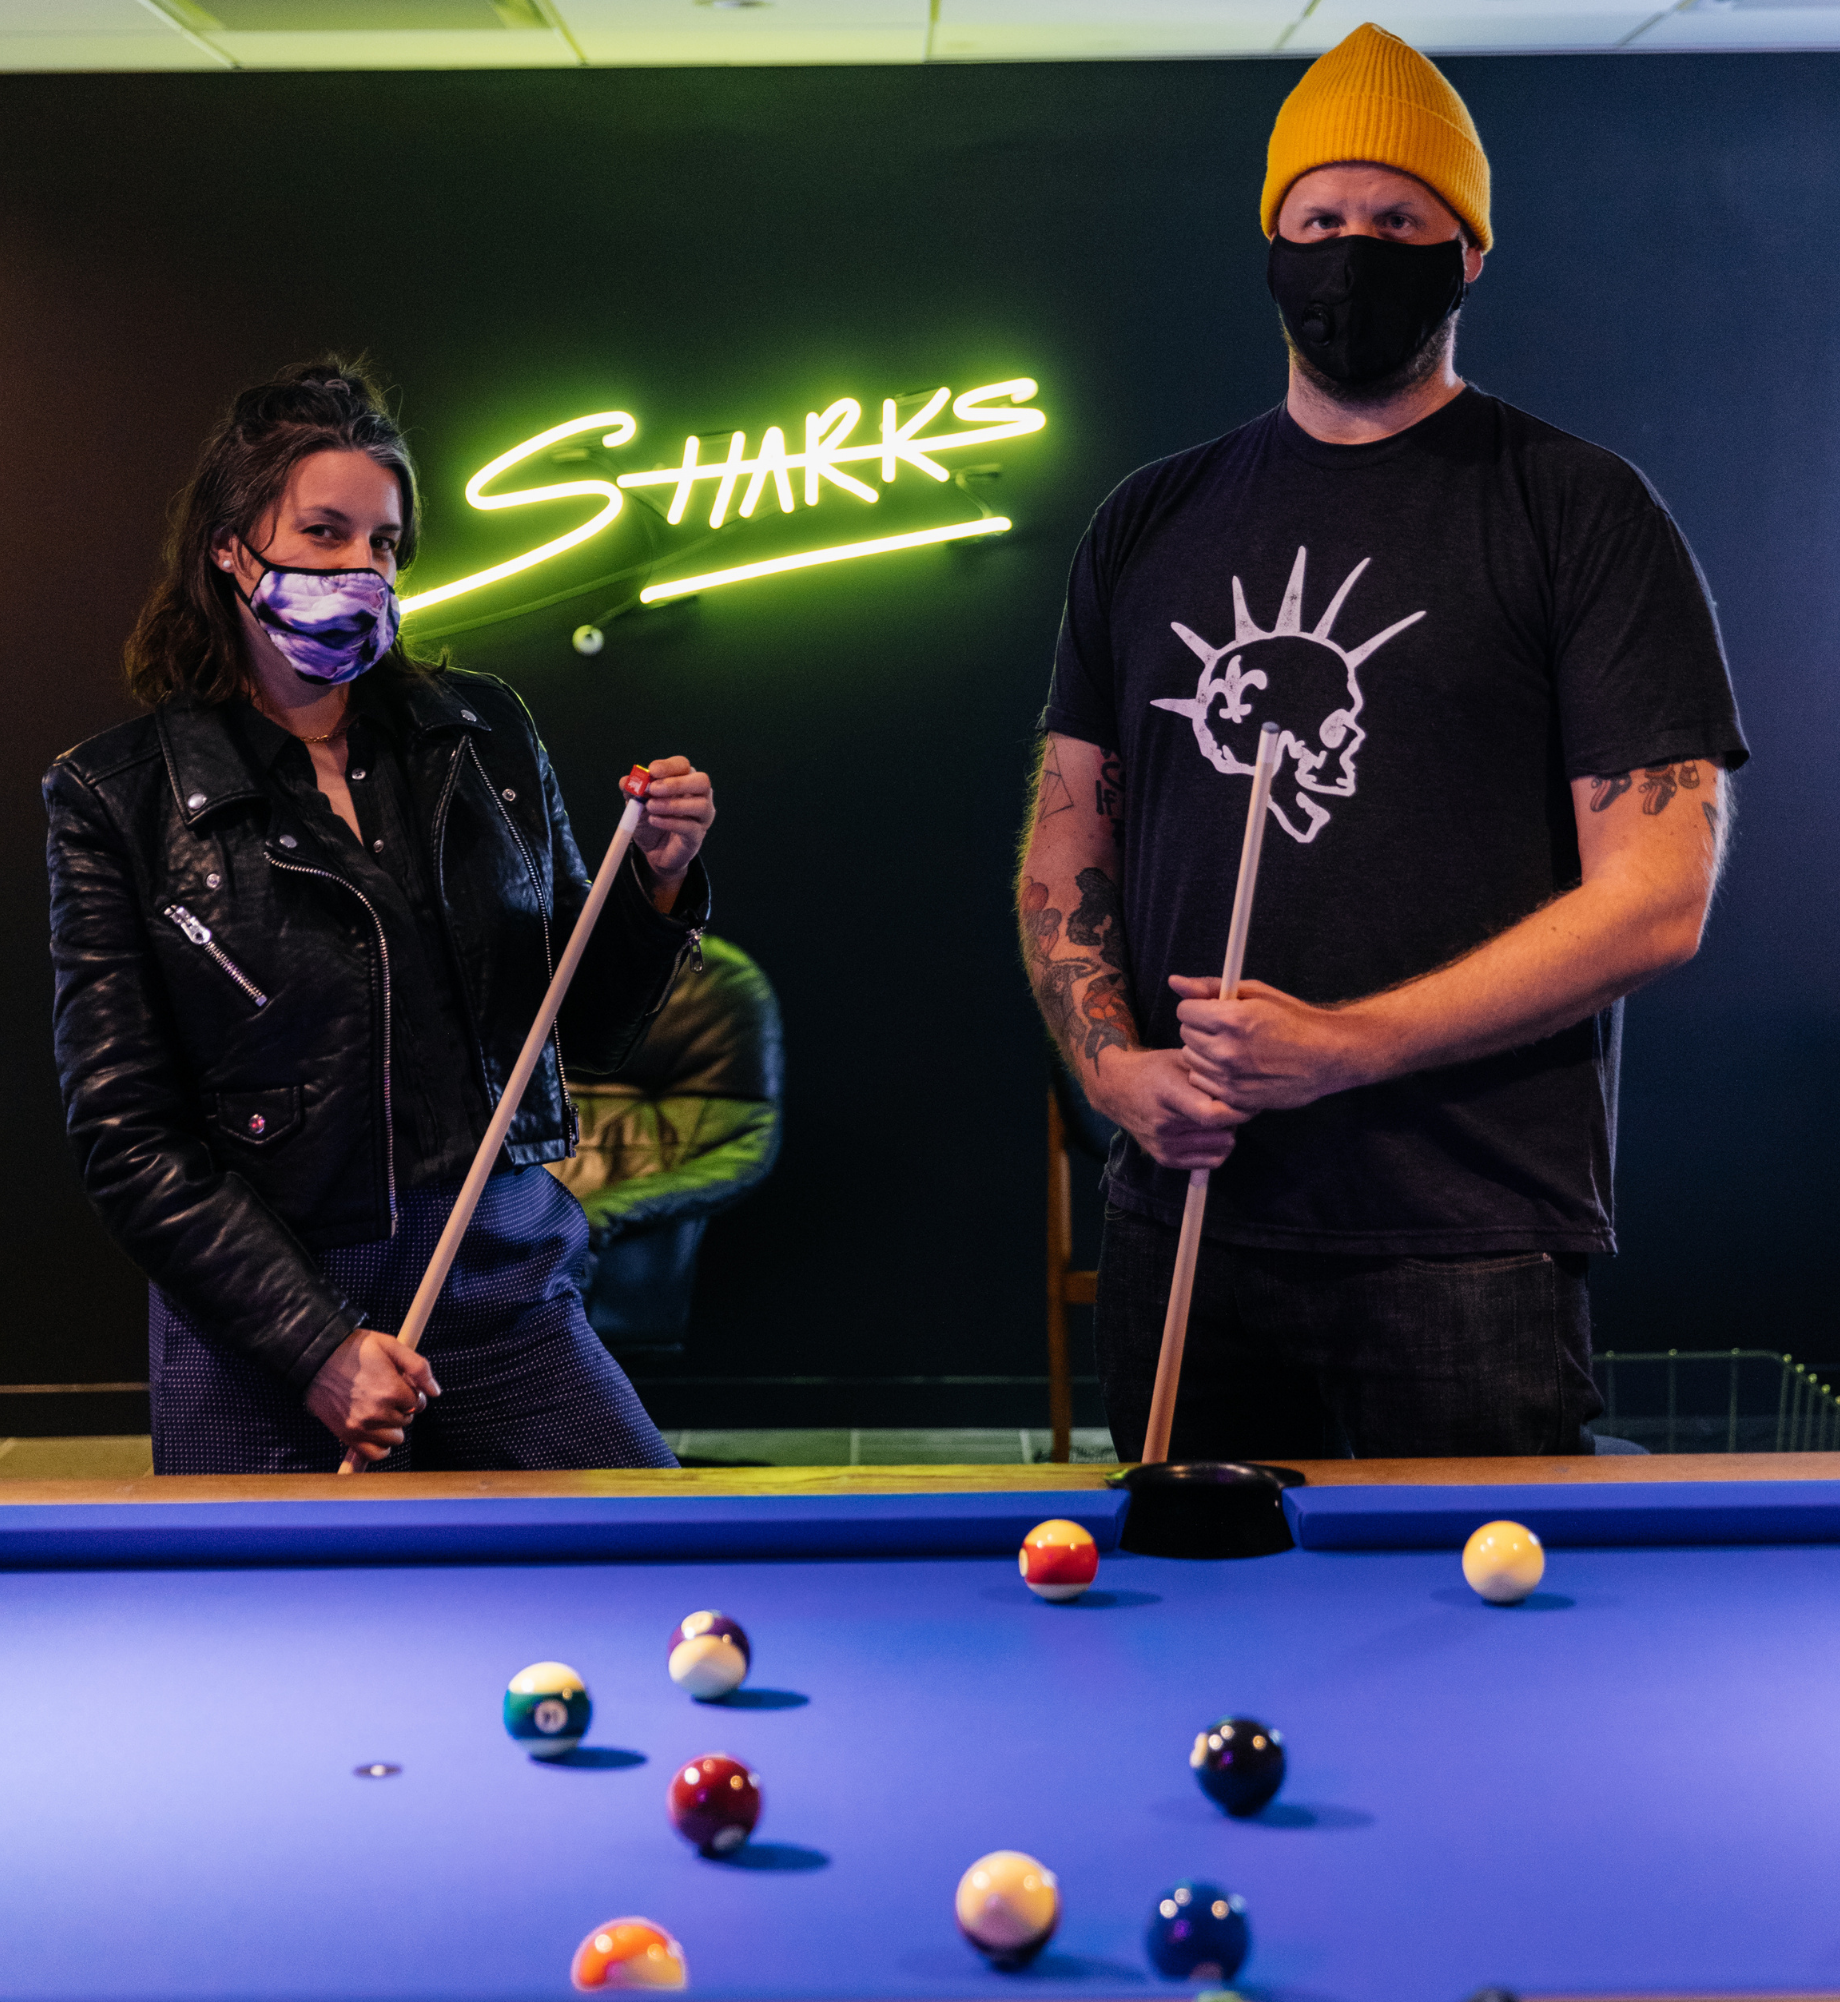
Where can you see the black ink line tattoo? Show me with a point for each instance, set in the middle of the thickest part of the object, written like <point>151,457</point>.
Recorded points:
<point>1712,818</point>
<point>1108,792</point>
<point>1052,792</point>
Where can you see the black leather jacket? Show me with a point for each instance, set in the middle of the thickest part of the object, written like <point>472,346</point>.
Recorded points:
<point>224,1003</point>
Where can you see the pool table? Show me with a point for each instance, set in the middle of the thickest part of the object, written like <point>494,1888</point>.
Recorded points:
<point>1628,1785</point>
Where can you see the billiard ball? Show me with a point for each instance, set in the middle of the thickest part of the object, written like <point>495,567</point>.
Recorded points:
<point>714,1803</point>
<point>628,1953</point>
<point>1197,1933</point>
<point>1008,1906</point>
<point>1503,1561</point>
<point>708,1655</point>
<point>1239,1762</point>
<point>547,1709</point>
<point>1058,1560</point>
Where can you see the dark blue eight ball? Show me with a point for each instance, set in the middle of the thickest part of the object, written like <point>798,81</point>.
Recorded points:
<point>1197,1933</point>
<point>1239,1763</point>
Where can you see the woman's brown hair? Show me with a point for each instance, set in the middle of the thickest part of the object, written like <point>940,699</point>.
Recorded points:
<point>188,639</point>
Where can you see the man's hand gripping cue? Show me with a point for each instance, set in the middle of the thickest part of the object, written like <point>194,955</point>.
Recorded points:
<point>1650,843</point>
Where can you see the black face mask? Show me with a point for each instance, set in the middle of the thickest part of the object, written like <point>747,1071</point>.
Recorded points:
<point>1360,307</point>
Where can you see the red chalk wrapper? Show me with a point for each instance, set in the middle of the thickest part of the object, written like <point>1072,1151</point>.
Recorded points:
<point>637,783</point>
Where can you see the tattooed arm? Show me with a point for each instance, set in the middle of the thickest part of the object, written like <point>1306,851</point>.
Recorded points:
<point>1068,906</point>
<point>1651,844</point>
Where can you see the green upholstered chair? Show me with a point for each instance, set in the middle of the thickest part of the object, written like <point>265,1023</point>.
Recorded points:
<point>688,1127</point>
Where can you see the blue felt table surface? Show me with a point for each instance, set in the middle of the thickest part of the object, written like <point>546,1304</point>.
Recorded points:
<point>1631,1782</point>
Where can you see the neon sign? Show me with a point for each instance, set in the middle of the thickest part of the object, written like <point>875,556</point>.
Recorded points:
<point>996,411</point>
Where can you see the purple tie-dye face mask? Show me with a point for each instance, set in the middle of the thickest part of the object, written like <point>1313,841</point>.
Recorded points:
<point>329,625</point>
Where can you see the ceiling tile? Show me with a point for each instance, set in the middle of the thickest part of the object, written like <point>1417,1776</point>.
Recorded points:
<point>382,49</point>
<point>789,31</point>
<point>1558,26</point>
<point>77,17</point>
<point>1047,30</point>
<point>155,51</point>
<point>1744,27</point>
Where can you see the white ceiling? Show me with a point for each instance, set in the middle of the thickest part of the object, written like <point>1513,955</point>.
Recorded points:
<point>563,34</point>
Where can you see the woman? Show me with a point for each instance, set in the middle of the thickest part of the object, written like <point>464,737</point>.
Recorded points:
<point>303,915</point>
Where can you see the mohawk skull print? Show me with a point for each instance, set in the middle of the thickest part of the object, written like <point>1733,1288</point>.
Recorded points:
<point>1306,682</point>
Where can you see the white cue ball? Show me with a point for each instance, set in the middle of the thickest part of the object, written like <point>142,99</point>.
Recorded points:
<point>1008,1906</point>
<point>1503,1562</point>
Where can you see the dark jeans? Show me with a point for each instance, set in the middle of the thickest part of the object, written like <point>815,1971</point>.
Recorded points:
<point>1316,1355</point>
<point>525,1382</point>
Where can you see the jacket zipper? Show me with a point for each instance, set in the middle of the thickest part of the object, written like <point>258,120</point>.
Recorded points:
<point>438,847</point>
<point>200,934</point>
<point>549,961</point>
<point>383,955</point>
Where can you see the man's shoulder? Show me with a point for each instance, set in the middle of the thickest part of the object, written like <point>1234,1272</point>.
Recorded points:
<point>1195,477</point>
<point>1561,459</point>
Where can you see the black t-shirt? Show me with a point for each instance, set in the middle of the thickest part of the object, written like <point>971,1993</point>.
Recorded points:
<point>438,1105</point>
<point>1448,626</point>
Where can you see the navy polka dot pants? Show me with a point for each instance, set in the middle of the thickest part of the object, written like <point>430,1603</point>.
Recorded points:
<point>525,1382</point>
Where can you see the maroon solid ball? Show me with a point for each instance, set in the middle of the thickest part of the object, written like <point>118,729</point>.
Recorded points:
<point>715,1802</point>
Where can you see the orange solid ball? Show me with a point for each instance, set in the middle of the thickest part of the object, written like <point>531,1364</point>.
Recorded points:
<point>628,1953</point>
<point>1058,1560</point>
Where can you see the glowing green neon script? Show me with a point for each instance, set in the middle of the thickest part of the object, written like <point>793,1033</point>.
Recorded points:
<point>998,410</point>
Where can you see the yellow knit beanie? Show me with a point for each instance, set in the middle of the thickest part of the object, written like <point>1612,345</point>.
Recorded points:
<point>1372,97</point>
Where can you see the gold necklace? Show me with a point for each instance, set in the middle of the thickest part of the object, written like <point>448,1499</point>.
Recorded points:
<point>299,739</point>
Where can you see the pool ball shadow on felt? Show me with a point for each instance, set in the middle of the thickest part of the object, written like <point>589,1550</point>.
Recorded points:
<point>714,1802</point>
<point>1239,1764</point>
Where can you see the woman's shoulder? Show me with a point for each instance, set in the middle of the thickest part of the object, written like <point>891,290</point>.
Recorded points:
<point>111,751</point>
<point>463,692</point>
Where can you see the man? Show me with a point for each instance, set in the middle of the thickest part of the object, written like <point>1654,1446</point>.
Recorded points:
<point>1501,805</point>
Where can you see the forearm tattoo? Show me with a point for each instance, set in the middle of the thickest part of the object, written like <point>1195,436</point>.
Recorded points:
<point>1108,794</point>
<point>1052,792</point>
<point>1099,1019</point>
<point>1659,785</point>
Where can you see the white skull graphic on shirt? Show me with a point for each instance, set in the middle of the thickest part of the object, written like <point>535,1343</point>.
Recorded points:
<point>1304,681</point>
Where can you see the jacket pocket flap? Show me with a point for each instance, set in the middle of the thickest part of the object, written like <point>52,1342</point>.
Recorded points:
<point>259,1118</point>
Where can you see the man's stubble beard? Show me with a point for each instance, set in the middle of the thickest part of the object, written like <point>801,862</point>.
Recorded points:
<point>1379,389</point>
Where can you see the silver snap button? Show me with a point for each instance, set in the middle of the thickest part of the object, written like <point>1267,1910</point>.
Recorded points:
<point>257,1124</point>
<point>195,801</point>
<point>376,847</point>
<point>359,773</point>
<point>510,792</point>
<point>288,841</point>
<point>469,716</point>
<point>213,881</point>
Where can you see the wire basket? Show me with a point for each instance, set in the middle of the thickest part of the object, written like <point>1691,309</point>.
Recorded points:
<point>1715,1401</point>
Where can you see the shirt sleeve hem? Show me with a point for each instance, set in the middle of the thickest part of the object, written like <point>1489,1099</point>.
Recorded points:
<point>1707,743</point>
<point>1061,724</point>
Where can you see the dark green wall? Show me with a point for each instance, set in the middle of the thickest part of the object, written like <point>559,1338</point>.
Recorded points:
<point>721,248</point>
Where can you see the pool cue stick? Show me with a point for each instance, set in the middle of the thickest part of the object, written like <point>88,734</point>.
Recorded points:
<point>1194,1207</point>
<point>635,785</point>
